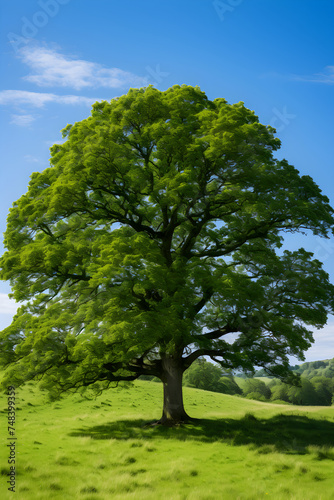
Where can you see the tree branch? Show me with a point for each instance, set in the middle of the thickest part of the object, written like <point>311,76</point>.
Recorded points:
<point>216,334</point>
<point>138,366</point>
<point>207,294</point>
<point>201,352</point>
<point>253,233</point>
<point>220,332</point>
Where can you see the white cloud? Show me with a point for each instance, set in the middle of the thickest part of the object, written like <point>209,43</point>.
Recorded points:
<point>22,120</point>
<point>39,99</point>
<point>323,347</point>
<point>31,159</point>
<point>51,68</point>
<point>7,305</point>
<point>327,76</point>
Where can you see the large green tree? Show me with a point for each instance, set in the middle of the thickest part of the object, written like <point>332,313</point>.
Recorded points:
<point>151,237</point>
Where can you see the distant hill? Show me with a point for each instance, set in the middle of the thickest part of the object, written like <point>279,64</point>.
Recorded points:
<point>316,383</point>
<point>324,368</point>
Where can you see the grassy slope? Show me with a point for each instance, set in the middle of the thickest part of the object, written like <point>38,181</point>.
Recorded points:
<point>100,449</point>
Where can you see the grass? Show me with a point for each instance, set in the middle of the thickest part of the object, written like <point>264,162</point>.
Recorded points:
<point>103,449</point>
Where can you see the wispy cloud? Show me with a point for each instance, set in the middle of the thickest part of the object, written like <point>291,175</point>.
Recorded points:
<point>31,159</point>
<point>50,68</point>
<point>39,99</point>
<point>23,120</point>
<point>326,77</point>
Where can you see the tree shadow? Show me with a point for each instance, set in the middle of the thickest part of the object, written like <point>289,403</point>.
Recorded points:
<point>284,433</point>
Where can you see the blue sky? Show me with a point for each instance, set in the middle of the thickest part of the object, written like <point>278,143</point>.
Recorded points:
<point>60,56</point>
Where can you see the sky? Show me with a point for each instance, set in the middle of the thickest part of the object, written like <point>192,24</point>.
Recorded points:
<point>58,57</point>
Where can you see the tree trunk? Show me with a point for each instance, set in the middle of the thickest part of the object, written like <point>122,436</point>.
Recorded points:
<point>173,410</point>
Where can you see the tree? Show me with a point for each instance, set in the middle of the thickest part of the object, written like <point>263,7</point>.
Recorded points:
<point>152,236</point>
<point>304,395</point>
<point>255,386</point>
<point>329,371</point>
<point>209,377</point>
<point>203,375</point>
<point>279,391</point>
<point>324,388</point>
<point>228,385</point>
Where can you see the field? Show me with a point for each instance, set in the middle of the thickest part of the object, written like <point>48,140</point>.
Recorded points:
<point>102,449</point>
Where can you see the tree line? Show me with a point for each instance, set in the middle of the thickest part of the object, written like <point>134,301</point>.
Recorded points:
<point>316,383</point>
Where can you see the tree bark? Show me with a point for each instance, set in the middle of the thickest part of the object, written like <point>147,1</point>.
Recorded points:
<point>173,409</point>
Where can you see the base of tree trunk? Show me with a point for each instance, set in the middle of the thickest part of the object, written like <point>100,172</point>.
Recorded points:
<point>172,422</point>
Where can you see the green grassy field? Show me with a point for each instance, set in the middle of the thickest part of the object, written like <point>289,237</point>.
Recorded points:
<point>102,449</point>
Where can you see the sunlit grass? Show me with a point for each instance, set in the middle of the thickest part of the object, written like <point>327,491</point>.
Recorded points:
<point>104,448</point>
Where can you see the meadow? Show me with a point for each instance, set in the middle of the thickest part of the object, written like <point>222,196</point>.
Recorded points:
<point>105,448</point>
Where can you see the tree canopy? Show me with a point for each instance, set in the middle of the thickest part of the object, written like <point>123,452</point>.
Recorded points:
<point>153,235</point>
